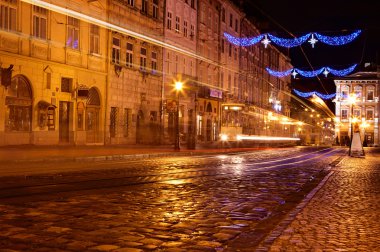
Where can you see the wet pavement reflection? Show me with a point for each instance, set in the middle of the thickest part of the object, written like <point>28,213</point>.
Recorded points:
<point>167,204</point>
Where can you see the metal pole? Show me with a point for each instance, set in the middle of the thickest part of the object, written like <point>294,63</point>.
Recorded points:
<point>177,147</point>
<point>351,117</point>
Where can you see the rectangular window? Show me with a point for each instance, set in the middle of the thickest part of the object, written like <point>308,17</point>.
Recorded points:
<point>113,121</point>
<point>143,59</point>
<point>202,16</point>
<point>72,33</point>
<point>357,113</point>
<point>66,85</point>
<point>222,45</point>
<point>51,118</point>
<point>344,114</point>
<point>177,22</point>
<point>169,21</point>
<point>229,83</point>
<point>40,22</point>
<point>223,14</point>
<point>131,2</point>
<point>229,50</point>
<point>370,95</point>
<point>129,55</point>
<point>369,115</point>
<point>236,25</point>
<point>192,32</point>
<point>185,29</point>
<point>155,9</point>
<point>116,51</point>
<point>154,62</point>
<point>94,39</point>
<point>144,6</point>
<point>48,80</point>
<point>231,20</point>
<point>8,15</point>
<point>192,4</point>
<point>127,121</point>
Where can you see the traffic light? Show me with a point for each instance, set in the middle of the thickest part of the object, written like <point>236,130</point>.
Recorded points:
<point>6,76</point>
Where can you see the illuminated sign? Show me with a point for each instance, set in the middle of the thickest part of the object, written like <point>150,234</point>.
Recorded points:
<point>216,93</point>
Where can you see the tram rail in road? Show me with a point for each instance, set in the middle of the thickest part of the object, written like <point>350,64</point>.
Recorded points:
<point>191,174</point>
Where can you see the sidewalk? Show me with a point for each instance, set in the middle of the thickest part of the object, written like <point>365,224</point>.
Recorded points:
<point>341,214</point>
<point>58,153</point>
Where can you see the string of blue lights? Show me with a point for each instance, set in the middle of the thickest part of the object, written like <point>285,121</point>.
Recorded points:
<point>308,94</point>
<point>285,42</point>
<point>310,74</point>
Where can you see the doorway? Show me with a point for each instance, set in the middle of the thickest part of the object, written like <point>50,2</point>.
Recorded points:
<point>64,120</point>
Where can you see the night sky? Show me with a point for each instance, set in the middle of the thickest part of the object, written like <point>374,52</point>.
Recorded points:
<point>332,18</point>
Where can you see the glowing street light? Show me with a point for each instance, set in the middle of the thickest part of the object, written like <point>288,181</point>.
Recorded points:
<point>178,88</point>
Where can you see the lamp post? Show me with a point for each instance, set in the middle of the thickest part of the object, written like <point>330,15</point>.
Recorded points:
<point>178,88</point>
<point>351,101</point>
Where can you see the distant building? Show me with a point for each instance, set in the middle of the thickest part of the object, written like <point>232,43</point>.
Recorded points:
<point>357,106</point>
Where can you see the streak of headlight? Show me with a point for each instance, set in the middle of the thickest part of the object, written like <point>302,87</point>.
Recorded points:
<point>267,138</point>
<point>114,28</point>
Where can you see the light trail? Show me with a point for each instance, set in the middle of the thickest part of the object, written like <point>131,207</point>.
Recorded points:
<point>116,28</point>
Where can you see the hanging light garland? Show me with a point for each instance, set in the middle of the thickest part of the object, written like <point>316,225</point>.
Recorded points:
<point>308,94</point>
<point>284,42</point>
<point>310,74</point>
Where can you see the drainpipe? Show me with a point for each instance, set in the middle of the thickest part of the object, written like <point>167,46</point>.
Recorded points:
<point>105,134</point>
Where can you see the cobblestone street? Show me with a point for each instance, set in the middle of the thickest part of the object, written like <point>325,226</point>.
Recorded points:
<point>232,205</point>
<point>343,215</point>
<point>221,198</point>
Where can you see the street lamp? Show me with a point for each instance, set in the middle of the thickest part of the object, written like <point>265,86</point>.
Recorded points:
<point>351,101</point>
<point>178,88</point>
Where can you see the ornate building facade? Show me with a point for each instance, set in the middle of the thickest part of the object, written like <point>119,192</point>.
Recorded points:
<point>102,72</point>
<point>357,107</point>
<point>57,88</point>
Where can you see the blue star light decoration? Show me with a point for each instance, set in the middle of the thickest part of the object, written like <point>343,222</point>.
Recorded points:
<point>308,94</point>
<point>267,38</point>
<point>310,74</point>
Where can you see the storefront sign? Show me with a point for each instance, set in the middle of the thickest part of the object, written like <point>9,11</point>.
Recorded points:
<point>216,93</point>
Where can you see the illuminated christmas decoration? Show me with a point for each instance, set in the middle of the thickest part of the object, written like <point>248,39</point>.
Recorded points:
<point>343,72</point>
<point>243,41</point>
<point>285,42</point>
<point>340,40</point>
<point>312,41</point>
<point>326,72</point>
<point>289,42</point>
<point>279,74</point>
<point>294,73</point>
<point>265,41</point>
<point>310,74</point>
<point>308,94</point>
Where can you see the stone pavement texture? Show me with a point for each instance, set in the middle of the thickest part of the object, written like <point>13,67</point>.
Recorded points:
<point>343,215</point>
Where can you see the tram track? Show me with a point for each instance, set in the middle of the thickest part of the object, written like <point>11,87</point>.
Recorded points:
<point>226,169</point>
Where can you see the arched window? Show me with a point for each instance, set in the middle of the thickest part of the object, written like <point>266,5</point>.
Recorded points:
<point>18,105</point>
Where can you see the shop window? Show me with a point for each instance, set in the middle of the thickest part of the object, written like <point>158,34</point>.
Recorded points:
<point>18,103</point>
